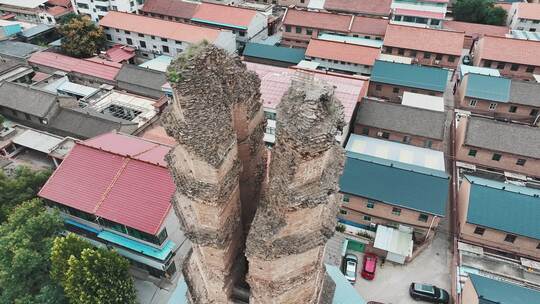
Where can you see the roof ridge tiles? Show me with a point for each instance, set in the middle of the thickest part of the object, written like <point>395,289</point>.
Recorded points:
<point>109,187</point>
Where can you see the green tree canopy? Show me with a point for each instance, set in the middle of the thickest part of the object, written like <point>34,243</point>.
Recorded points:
<point>25,245</point>
<point>62,249</point>
<point>479,11</point>
<point>22,185</point>
<point>81,37</point>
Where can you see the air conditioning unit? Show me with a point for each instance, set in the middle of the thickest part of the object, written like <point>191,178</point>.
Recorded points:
<point>379,134</point>
<point>437,61</point>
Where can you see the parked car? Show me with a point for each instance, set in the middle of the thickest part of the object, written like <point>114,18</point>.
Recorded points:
<point>350,265</point>
<point>429,293</point>
<point>467,60</point>
<point>369,266</point>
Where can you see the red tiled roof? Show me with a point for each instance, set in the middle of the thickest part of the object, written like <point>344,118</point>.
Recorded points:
<point>58,10</point>
<point>7,16</point>
<point>225,14</point>
<point>418,13</point>
<point>367,25</point>
<point>530,11</point>
<point>64,3</point>
<point>99,177</point>
<point>475,29</point>
<point>509,50</point>
<point>157,27</point>
<point>318,20</point>
<point>341,51</point>
<point>371,7</point>
<point>175,8</point>
<point>119,53</point>
<point>70,64</point>
<point>424,39</point>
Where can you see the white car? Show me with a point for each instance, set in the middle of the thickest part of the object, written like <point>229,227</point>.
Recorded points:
<point>350,265</point>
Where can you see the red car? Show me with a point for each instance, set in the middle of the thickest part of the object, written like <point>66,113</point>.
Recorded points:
<point>370,264</point>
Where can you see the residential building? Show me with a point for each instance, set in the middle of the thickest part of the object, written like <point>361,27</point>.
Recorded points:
<point>359,7</point>
<point>479,289</point>
<point>300,26</point>
<point>499,53</point>
<point>342,57</point>
<point>524,16</point>
<point>172,10</point>
<point>400,123</point>
<point>141,81</point>
<point>125,202</point>
<point>152,36</point>
<point>507,148</point>
<point>426,46</point>
<point>392,185</point>
<point>98,9</point>
<point>427,13</point>
<point>500,216</point>
<point>18,51</point>
<point>36,11</point>
<point>474,31</point>
<point>389,80</point>
<point>273,55</point>
<point>13,71</point>
<point>499,97</point>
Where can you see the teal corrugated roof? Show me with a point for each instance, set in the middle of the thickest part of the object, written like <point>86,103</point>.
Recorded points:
<point>504,207</point>
<point>276,53</point>
<point>494,291</point>
<point>160,254</point>
<point>488,87</point>
<point>396,183</point>
<point>410,75</point>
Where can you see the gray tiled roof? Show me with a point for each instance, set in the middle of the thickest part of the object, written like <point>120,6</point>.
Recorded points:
<point>6,66</point>
<point>404,119</point>
<point>141,76</point>
<point>18,49</point>
<point>24,99</point>
<point>525,93</point>
<point>503,137</point>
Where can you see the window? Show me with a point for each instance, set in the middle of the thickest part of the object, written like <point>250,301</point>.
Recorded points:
<point>242,34</point>
<point>501,65</point>
<point>370,204</point>
<point>401,52</point>
<point>367,37</point>
<point>435,22</point>
<point>164,39</point>
<point>396,211</point>
<point>117,30</point>
<point>472,152</point>
<point>406,139</point>
<point>395,90</point>
<point>346,198</point>
<point>153,37</point>
<point>341,211</point>
<point>298,30</point>
<point>365,131</point>
<point>388,49</point>
<point>510,238</point>
<point>385,135</point>
<point>427,55</point>
<point>487,63</point>
<point>413,53</point>
<point>479,230</point>
<point>162,236</point>
<point>534,112</point>
<point>108,37</point>
<point>287,28</point>
<point>423,217</point>
<point>129,41</point>
<point>492,106</point>
<point>438,57</point>
<point>378,87</point>
<point>428,143</point>
<point>142,44</point>
<point>521,162</point>
<point>514,67</point>
<point>367,218</point>
<point>27,116</point>
<point>451,58</point>
<point>496,157</point>
<point>309,31</point>
<point>127,32</point>
<point>165,49</point>
<point>472,102</point>
<point>530,69</point>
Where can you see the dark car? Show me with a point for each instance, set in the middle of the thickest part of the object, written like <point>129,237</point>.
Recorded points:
<point>350,265</point>
<point>429,293</point>
<point>467,60</point>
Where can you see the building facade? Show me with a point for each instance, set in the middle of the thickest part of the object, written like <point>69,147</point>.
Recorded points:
<point>427,13</point>
<point>99,8</point>
<point>524,16</point>
<point>35,11</point>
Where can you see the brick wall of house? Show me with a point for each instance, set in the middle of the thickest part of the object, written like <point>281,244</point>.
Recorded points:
<point>507,69</point>
<point>468,294</point>
<point>434,59</point>
<point>415,140</point>
<point>394,93</point>
<point>299,37</point>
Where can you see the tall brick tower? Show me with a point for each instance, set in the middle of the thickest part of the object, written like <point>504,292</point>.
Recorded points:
<point>217,119</point>
<point>297,213</point>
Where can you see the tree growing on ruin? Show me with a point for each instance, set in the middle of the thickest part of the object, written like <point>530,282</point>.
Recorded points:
<point>81,37</point>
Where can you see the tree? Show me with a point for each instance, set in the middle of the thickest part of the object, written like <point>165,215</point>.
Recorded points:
<point>99,276</point>
<point>25,245</point>
<point>479,11</point>
<point>22,185</point>
<point>81,37</point>
<point>62,249</point>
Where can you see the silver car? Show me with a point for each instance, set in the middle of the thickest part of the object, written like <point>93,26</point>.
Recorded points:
<point>349,267</point>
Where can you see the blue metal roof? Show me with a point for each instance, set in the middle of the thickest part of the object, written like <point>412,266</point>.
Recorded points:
<point>410,75</point>
<point>218,23</point>
<point>504,207</point>
<point>160,254</point>
<point>488,87</point>
<point>494,291</point>
<point>395,183</point>
<point>276,53</point>
<point>344,292</point>
<point>37,30</point>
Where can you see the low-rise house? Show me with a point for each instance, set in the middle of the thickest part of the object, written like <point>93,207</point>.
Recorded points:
<point>399,123</point>
<point>479,289</point>
<point>359,7</point>
<point>426,13</point>
<point>342,56</point>
<point>141,81</point>
<point>393,185</point>
<point>36,11</point>
<point>152,36</point>
<point>524,16</point>
<point>300,26</point>
<point>124,201</point>
<point>499,97</point>
<point>172,10</point>
<point>502,147</point>
<point>389,80</point>
<point>13,71</point>
<point>426,46</point>
<point>98,9</point>
<point>499,216</point>
<point>19,51</point>
<point>500,53</point>
<point>273,55</point>
<point>474,31</point>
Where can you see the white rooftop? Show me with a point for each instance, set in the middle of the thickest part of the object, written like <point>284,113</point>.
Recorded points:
<point>24,25</point>
<point>39,141</point>
<point>316,4</point>
<point>395,58</point>
<point>159,63</point>
<point>352,40</point>
<point>422,101</point>
<point>310,65</point>
<point>23,3</point>
<point>63,85</point>
<point>394,241</point>
<point>396,151</point>
<point>466,69</point>
<point>126,105</point>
